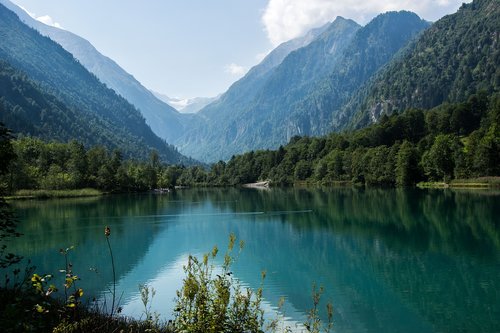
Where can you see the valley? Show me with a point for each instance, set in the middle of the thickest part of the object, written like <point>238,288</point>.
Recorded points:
<point>349,175</point>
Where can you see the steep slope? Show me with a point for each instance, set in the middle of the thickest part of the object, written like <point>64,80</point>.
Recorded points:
<point>164,120</point>
<point>297,74</point>
<point>244,90</point>
<point>458,56</point>
<point>51,91</point>
<point>26,108</point>
<point>228,119</point>
<point>290,101</point>
<point>374,46</point>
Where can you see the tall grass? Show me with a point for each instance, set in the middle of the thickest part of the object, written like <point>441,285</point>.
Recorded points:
<point>46,194</point>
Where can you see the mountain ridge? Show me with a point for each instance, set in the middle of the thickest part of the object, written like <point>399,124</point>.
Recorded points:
<point>275,110</point>
<point>456,57</point>
<point>35,63</point>
<point>247,84</point>
<point>163,119</point>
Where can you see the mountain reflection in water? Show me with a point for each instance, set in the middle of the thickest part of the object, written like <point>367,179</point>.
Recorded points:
<point>391,260</point>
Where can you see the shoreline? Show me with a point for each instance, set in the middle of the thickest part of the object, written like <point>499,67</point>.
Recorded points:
<point>49,194</point>
<point>469,184</point>
<point>472,183</point>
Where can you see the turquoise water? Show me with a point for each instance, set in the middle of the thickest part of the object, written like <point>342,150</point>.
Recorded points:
<point>389,260</point>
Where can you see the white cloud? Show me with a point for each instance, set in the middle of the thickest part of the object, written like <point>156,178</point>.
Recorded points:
<point>287,19</point>
<point>45,19</point>
<point>235,69</point>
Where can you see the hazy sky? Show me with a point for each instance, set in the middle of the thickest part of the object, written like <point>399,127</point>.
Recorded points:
<point>192,48</point>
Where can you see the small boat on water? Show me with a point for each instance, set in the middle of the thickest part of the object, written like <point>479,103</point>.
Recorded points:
<point>262,185</point>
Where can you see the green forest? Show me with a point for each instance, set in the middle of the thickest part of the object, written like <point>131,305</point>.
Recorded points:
<point>452,141</point>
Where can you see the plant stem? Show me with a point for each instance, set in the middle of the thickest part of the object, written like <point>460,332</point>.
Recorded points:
<point>66,275</point>
<point>114,276</point>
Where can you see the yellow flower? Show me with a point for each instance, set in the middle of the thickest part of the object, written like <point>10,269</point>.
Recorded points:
<point>79,292</point>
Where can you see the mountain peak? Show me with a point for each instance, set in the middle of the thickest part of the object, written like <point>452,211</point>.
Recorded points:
<point>402,17</point>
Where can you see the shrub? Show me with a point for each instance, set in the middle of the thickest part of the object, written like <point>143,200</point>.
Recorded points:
<point>215,302</point>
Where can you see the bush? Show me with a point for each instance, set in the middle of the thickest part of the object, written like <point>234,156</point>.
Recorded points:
<point>215,302</point>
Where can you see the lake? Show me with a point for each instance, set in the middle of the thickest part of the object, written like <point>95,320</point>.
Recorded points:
<point>390,260</point>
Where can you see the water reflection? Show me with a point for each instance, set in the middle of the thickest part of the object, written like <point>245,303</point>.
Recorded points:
<point>390,260</point>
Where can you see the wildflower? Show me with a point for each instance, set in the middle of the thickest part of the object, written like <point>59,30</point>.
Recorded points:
<point>78,293</point>
<point>107,232</point>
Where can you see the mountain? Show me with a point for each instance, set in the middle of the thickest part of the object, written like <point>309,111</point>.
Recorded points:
<point>47,92</point>
<point>241,92</point>
<point>164,120</point>
<point>187,105</point>
<point>455,58</point>
<point>374,46</point>
<point>283,102</point>
<point>216,136</point>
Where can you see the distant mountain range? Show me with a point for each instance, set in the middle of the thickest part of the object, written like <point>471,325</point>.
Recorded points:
<point>337,77</point>
<point>266,107</point>
<point>186,105</point>
<point>348,76</point>
<point>206,137</point>
<point>46,92</point>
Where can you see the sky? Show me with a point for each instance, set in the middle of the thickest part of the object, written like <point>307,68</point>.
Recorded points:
<point>198,48</point>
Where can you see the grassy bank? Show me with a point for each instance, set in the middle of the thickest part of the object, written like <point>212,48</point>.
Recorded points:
<point>47,194</point>
<point>335,183</point>
<point>474,183</point>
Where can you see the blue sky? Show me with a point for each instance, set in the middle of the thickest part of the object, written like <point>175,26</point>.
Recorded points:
<point>192,48</point>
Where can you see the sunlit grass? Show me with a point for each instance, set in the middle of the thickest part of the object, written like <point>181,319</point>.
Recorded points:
<point>483,182</point>
<point>44,194</point>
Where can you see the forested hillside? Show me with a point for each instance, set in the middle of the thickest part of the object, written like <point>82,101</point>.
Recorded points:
<point>244,90</point>
<point>449,142</point>
<point>164,120</point>
<point>30,110</point>
<point>47,93</point>
<point>393,63</point>
<point>458,56</point>
<point>333,66</point>
<point>223,114</point>
<point>344,76</point>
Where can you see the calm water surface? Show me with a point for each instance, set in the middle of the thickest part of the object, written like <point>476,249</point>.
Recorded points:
<point>389,260</point>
